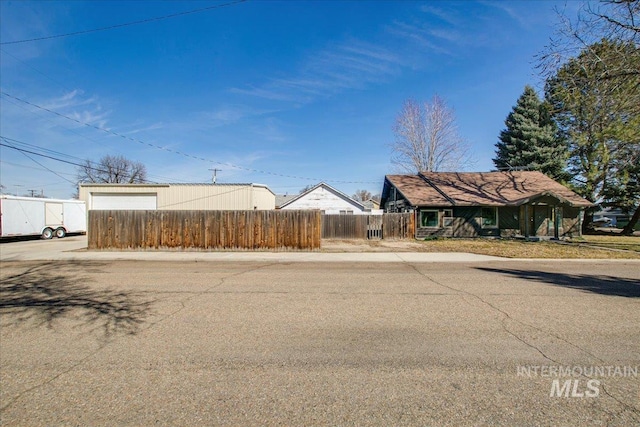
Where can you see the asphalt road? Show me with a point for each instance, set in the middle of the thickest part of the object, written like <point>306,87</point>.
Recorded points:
<point>92,342</point>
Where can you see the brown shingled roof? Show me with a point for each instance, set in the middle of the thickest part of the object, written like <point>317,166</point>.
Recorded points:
<point>481,188</point>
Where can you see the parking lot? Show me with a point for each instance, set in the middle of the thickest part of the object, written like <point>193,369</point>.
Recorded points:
<point>317,342</point>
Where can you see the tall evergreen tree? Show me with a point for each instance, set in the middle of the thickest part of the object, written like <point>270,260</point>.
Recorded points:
<point>530,139</point>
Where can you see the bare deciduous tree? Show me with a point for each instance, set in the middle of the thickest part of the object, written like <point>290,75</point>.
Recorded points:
<point>427,138</point>
<point>362,195</point>
<point>306,188</point>
<point>607,20</point>
<point>113,170</point>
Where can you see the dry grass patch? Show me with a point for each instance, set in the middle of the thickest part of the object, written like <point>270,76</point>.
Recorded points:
<point>523,249</point>
<point>501,248</point>
<point>629,243</point>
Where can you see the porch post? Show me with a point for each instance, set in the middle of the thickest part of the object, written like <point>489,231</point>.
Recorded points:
<point>526,220</point>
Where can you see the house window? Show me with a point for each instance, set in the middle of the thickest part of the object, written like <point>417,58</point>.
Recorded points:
<point>447,218</point>
<point>346,212</point>
<point>428,218</point>
<point>489,217</point>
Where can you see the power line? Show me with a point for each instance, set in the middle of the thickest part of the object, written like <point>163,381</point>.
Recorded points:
<point>40,164</point>
<point>99,170</point>
<point>15,142</point>
<point>169,150</point>
<point>41,116</point>
<point>67,130</point>
<point>127,24</point>
<point>35,69</point>
<point>22,150</point>
<point>4,162</point>
<point>11,143</point>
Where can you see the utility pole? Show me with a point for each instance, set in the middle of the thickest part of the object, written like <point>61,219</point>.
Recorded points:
<point>33,192</point>
<point>213,178</point>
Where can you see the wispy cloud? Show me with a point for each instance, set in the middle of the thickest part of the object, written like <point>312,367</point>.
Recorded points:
<point>224,115</point>
<point>96,117</point>
<point>70,99</point>
<point>270,130</point>
<point>446,28</point>
<point>21,20</point>
<point>269,91</point>
<point>230,114</point>
<point>75,105</point>
<point>349,65</point>
<point>510,11</point>
<point>423,37</point>
<point>448,16</point>
<point>138,127</point>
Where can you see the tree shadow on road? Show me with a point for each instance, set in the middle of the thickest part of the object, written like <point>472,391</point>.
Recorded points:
<point>45,293</point>
<point>599,284</point>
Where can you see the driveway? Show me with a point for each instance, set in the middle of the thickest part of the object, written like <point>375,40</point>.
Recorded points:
<point>103,342</point>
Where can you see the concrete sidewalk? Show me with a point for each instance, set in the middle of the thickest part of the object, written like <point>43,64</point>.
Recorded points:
<point>74,248</point>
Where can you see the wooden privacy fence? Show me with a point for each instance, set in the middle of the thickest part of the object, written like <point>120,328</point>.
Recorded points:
<point>117,229</point>
<point>386,226</point>
<point>398,226</point>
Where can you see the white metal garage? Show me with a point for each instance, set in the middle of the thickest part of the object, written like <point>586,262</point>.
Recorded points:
<point>124,201</point>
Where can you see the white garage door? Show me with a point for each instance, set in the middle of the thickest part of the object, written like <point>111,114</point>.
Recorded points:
<point>137,202</point>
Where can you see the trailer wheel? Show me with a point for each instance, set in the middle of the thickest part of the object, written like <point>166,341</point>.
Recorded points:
<point>47,233</point>
<point>60,232</point>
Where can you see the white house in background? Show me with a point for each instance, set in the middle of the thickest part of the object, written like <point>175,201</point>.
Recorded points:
<point>326,199</point>
<point>177,196</point>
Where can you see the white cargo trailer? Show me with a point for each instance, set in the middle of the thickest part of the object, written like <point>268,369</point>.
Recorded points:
<point>32,216</point>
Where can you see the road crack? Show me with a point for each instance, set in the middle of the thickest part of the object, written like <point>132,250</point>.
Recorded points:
<point>507,317</point>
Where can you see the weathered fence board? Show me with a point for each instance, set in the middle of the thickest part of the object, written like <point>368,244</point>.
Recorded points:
<point>204,229</point>
<point>398,226</point>
<point>386,226</point>
<point>374,227</point>
<point>344,226</point>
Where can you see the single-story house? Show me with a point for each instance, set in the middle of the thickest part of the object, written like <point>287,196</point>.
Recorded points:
<point>203,196</point>
<point>371,204</point>
<point>281,199</point>
<point>326,199</point>
<point>461,204</point>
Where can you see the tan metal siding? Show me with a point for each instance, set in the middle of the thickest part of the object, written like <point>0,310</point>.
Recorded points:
<point>263,199</point>
<point>192,197</point>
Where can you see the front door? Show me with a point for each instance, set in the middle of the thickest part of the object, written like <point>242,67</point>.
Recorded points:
<point>537,218</point>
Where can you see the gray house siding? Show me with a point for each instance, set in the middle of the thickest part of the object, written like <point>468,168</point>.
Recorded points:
<point>511,222</point>
<point>466,222</point>
<point>571,221</point>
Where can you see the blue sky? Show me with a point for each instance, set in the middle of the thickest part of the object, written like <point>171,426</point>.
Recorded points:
<point>280,93</point>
